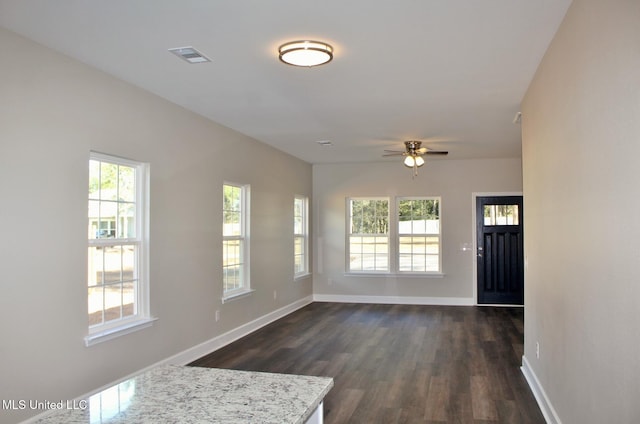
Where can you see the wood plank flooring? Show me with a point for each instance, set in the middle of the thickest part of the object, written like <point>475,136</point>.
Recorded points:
<point>398,363</point>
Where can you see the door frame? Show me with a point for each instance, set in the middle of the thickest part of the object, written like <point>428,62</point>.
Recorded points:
<point>474,232</point>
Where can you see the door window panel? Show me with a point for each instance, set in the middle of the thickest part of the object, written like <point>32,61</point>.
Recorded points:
<point>500,215</point>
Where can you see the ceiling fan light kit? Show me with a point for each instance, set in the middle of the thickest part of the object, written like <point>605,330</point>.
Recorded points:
<point>411,161</point>
<point>413,154</point>
<point>305,53</point>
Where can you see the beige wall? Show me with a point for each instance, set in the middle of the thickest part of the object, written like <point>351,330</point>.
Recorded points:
<point>53,111</point>
<point>581,158</point>
<point>454,181</point>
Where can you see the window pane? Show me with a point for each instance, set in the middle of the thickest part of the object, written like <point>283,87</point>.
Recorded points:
<point>232,198</point>
<point>107,220</point>
<point>95,266</point>
<point>108,181</point>
<point>382,262</point>
<point>231,252</point>
<point>298,216</point>
<point>232,226</point>
<point>128,299</point>
<point>94,218</point>
<point>129,263</point>
<point>432,245</point>
<point>112,263</point>
<point>232,263</point>
<point>95,305</point>
<point>94,179</point>
<point>231,278</point>
<point>298,225</point>
<point>500,215</point>
<point>355,263</point>
<point>369,216</point>
<point>298,266</point>
<point>368,245</point>
<point>368,262</point>
<point>126,184</point>
<point>126,220</point>
<point>419,216</point>
<point>368,253</point>
<point>112,301</point>
<point>382,244</point>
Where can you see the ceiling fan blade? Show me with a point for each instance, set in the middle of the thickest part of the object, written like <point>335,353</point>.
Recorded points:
<point>394,154</point>
<point>422,150</point>
<point>436,152</point>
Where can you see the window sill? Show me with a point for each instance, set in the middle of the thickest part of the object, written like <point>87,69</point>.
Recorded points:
<point>301,276</point>
<point>114,332</point>
<point>237,295</point>
<point>395,274</point>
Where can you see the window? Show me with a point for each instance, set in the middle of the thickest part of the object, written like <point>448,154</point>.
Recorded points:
<point>117,264</point>
<point>402,238</point>
<point>300,236</point>
<point>235,246</point>
<point>368,235</point>
<point>419,235</point>
<point>500,215</point>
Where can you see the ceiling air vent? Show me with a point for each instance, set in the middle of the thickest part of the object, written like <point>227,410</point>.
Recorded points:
<point>190,54</point>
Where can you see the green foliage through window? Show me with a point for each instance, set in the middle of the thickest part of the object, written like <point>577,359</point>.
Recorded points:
<point>369,216</point>
<point>419,209</point>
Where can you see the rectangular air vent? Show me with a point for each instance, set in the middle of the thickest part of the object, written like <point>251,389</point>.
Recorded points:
<point>190,54</point>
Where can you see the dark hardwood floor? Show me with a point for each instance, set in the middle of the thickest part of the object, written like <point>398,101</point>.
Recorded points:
<point>398,363</point>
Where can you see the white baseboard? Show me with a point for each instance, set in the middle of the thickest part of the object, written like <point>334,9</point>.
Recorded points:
<point>550,414</point>
<point>395,300</point>
<point>222,340</point>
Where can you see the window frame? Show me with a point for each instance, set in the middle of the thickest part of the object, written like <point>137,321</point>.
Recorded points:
<point>303,236</point>
<point>399,235</point>
<point>349,236</point>
<point>243,239</point>
<point>393,239</point>
<point>141,318</point>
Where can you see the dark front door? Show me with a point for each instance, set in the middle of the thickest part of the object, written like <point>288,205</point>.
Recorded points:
<point>500,250</point>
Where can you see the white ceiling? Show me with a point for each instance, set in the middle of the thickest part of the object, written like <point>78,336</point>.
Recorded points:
<point>449,72</point>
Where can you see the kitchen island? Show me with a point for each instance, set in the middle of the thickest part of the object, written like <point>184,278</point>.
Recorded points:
<point>183,394</point>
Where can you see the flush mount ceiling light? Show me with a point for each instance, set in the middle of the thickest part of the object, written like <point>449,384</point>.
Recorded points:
<point>305,53</point>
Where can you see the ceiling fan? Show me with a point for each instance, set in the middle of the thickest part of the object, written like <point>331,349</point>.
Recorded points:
<point>413,154</point>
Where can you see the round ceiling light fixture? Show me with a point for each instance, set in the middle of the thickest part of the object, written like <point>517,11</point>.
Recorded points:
<point>305,53</point>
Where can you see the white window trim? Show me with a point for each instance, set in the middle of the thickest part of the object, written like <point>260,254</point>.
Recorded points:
<point>245,289</point>
<point>143,319</point>
<point>305,235</point>
<point>394,240</point>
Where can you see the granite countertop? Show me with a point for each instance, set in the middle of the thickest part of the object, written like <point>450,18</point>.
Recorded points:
<point>185,394</point>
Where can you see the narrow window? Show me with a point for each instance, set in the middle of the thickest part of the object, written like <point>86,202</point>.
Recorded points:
<point>419,235</point>
<point>368,235</point>
<point>117,265</point>
<point>300,236</point>
<point>235,248</point>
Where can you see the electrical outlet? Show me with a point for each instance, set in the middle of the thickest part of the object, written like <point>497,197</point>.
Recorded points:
<point>537,350</point>
<point>217,316</point>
